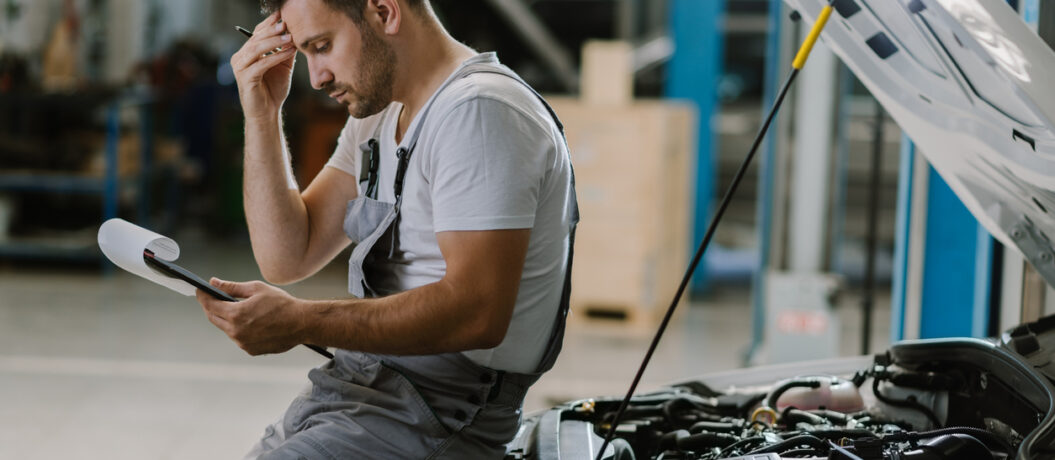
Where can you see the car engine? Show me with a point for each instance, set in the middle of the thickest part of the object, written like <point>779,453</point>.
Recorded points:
<point>928,410</point>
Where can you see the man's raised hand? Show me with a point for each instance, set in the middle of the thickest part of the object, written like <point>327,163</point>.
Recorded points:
<point>263,78</point>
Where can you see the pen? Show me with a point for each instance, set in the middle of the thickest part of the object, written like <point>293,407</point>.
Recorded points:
<point>249,34</point>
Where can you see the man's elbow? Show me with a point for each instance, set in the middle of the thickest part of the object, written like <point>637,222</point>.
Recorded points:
<point>490,330</point>
<point>279,275</point>
<point>490,338</point>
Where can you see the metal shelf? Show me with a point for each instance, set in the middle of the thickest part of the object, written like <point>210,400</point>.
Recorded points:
<point>50,182</point>
<point>106,186</point>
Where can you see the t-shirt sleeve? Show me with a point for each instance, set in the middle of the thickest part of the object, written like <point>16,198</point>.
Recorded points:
<point>347,157</point>
<point>487,167</point>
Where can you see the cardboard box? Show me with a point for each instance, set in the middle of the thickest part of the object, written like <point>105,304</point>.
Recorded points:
<point>607,73</point>
<point>635,177</point>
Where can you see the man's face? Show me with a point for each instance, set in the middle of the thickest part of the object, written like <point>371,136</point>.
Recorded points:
<point>351,64</point>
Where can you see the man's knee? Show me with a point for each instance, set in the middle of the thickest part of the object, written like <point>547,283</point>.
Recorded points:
<point>296,449</point>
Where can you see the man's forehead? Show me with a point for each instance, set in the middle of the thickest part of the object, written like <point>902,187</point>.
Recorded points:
<point>306,19</point>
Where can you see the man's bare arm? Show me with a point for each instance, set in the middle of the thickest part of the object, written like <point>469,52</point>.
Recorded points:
<point>470,308</point>
<point>292,234</point>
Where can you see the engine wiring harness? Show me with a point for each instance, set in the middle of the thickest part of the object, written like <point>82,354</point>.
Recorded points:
<point>694,422</point>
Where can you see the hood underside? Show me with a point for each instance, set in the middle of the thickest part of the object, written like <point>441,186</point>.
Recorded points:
<point>969,83</point>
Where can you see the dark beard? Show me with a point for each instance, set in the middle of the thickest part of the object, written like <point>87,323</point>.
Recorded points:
<point>376,73</point>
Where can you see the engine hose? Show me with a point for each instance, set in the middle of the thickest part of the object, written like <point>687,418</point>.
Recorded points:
<point>740,445</point>
<point>641,411</point>
<point>852,433</point>
<point>771,400</point>
<point>794,453</point>
<point>991,440</point>
<point>950,446</point>
<point>644,410</point>
<point>703,441</point>
<point>797,441</point>
<point>716,427</point>
<point>832,416</point>
<point>906,403</point>
<point>672,440</point>
<point>681,411</point>
<point>793,416</point>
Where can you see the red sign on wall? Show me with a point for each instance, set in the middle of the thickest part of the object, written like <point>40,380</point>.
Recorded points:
<point>802,322</point>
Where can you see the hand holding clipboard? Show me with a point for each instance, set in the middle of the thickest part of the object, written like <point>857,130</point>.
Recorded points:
<point>149,255</point>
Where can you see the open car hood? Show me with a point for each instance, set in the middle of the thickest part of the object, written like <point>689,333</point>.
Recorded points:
<point>966,80</point>
<point>970,84</point>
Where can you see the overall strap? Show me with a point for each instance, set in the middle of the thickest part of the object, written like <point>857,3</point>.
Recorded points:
<point>560,322</point>
<point>503,70</point>
<point>371,160</point>
<point>371,148</point>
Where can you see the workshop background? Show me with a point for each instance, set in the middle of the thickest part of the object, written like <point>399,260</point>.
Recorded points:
<point>128,108</point>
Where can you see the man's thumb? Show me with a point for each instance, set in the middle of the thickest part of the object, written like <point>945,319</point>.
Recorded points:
<point>235,289</point>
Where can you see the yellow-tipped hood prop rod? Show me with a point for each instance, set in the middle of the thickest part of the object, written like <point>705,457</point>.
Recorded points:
<point>811,39</point>
<point>796,66</point>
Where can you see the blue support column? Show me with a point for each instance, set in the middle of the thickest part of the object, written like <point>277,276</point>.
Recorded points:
<point>957,261</point>
<point>955,243</point>
<point>693,74</point>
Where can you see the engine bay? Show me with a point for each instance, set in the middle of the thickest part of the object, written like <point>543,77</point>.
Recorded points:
<point>955,400</point>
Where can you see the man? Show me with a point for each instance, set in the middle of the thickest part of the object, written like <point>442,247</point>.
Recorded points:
<point>452,180</point>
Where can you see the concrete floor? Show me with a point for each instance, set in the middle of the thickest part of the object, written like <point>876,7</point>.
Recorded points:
<point>114,367</point>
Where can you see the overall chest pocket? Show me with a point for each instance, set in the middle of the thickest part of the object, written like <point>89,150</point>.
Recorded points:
<point>363,216</point>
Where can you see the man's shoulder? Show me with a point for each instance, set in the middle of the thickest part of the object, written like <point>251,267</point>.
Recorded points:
<point>493,89</point>
<point>491,84</point>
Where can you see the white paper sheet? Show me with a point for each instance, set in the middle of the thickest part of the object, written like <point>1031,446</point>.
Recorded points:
<point>123,243</point>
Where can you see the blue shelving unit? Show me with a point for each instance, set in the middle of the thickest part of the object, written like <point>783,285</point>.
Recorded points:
<point>107,187</point>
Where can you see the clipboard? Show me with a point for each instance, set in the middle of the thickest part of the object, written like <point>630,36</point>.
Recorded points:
<point>175,271</point>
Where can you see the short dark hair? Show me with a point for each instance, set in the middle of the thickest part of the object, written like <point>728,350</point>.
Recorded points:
<point>352,8</point>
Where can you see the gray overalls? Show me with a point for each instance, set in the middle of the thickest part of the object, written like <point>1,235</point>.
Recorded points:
<point>365,405</point>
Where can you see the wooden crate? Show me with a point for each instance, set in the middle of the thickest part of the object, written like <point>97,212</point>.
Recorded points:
<point>635,170</point>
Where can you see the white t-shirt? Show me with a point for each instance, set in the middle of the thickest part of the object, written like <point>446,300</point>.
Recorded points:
<point>489,157</point>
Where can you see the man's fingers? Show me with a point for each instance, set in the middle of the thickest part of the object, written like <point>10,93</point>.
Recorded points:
<point>260,53</point>
<point>257,70</point>
<point>269,28</point>
<point>214,309</point>
<point>269,24</point>
<point>255,50</point>
<point>235,289</point>
<point>269,32</point>
<point>267,45</point>
<point>220,323</point>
